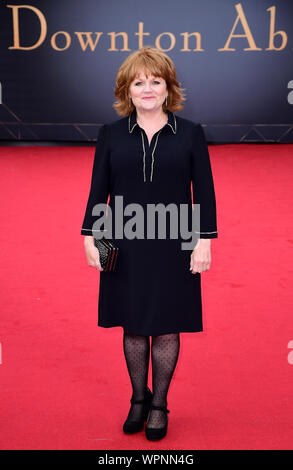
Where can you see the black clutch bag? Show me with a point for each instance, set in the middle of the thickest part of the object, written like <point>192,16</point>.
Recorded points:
<point>108,253</point>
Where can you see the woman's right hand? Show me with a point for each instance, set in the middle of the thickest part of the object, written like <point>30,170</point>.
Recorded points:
<point>92,253</point>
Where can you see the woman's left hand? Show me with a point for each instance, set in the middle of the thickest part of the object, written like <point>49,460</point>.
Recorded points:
<point>200,258</point>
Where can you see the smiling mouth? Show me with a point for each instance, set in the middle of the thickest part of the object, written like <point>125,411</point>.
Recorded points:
<point>148,97</point>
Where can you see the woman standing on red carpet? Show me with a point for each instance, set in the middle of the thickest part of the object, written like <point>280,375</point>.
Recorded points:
<point>151,156</point>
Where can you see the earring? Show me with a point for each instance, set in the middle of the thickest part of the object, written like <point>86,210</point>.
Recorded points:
<point>129,103</point>
<point>166,101</point>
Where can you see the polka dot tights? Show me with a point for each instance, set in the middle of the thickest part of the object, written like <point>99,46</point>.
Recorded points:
<point>164,355</point>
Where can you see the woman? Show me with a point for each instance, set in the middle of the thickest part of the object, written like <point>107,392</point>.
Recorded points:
<point>151,156</point>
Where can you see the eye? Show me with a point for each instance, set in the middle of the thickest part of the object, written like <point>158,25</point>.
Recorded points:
<point>155,81</point>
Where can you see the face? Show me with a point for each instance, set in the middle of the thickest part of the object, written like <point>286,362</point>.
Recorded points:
<point>148,93</point>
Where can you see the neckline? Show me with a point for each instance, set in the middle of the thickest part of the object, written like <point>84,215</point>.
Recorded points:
<point>166,122</point>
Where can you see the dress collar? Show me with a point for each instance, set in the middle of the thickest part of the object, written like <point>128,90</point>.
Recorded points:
<point>132,122</point>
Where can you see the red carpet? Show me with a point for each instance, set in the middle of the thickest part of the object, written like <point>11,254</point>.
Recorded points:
<point>64,381</point>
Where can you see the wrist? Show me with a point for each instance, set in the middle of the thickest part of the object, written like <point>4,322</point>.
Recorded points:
<point>203,242</point>
<point>88,239</point>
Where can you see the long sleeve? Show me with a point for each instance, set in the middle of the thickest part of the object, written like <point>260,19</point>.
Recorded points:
<point>100,181</point>
<point>203,185</point>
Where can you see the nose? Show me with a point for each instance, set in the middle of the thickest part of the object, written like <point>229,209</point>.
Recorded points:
<point>148,86</point>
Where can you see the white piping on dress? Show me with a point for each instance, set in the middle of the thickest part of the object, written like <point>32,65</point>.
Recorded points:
<point>130,130</point>
<point>174,131</point>
<point>94,230</point>
<point>168,123</point>
<point>153,158</point>
<point>144,177</point>
<point>216,231</point>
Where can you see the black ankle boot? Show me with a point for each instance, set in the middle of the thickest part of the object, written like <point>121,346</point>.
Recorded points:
<point>153,434</point>
<point>130,427</point>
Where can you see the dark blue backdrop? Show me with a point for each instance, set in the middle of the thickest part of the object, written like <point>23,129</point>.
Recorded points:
<point>56,85</point>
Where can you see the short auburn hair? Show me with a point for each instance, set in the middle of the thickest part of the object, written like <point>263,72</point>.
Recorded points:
<point>151,60</point>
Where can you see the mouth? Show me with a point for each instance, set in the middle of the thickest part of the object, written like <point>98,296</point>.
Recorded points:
<point>148,98</point>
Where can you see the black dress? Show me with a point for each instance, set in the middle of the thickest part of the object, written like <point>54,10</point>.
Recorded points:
<point>151,291</point>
